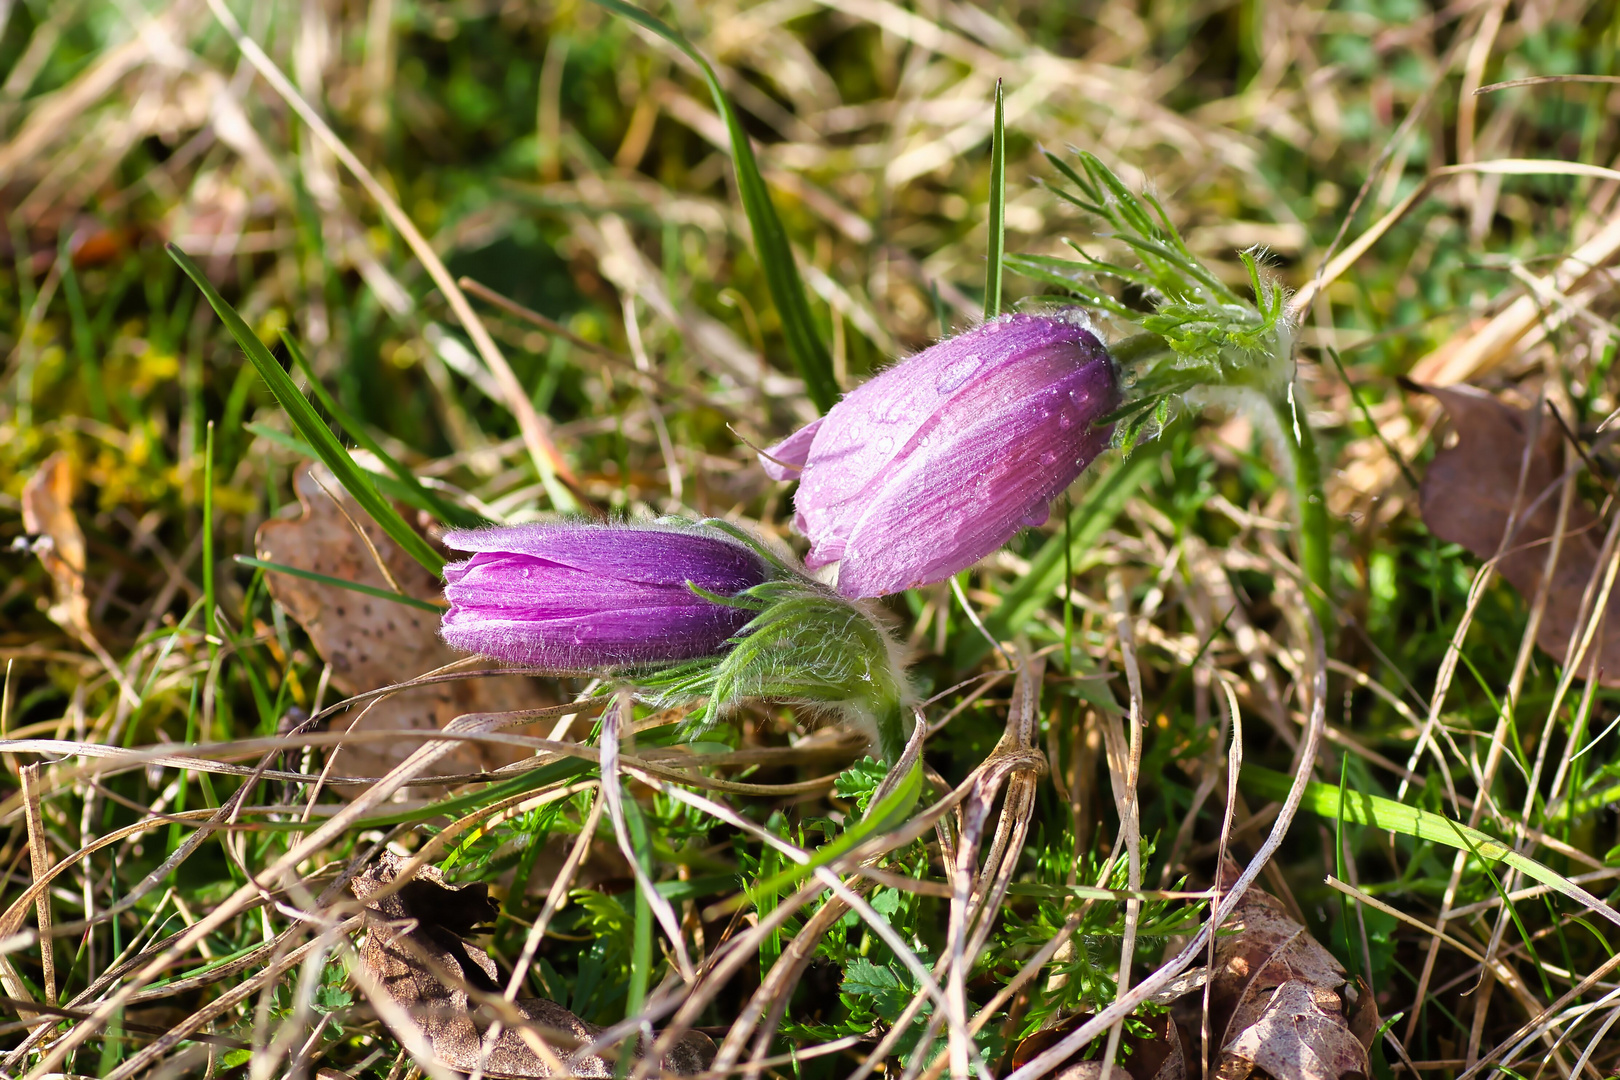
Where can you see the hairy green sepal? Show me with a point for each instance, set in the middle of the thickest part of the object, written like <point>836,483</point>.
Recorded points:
<point>805,644</point>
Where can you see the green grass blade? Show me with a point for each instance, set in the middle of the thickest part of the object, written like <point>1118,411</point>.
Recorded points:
<point>998,210</point>
<point>341,583</point>
<point>385,484</point>
<point>1086,522</point>
<point>332,453</point>
<point>1339,869</point>
<point>433,502</point>
<point>641,945</point>
<point>1359,808</point>
<point>84,339</point>
<point>210,620</point>
<point>775,254</point>
<point>889,813</point>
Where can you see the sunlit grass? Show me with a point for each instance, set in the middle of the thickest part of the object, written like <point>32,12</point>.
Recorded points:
<point>578,166</point>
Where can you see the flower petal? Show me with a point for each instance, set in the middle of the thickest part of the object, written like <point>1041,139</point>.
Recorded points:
<point>604,638</point>
<point>651,554</point>
<point>954,503</point>
<point>876,427</point>
<point>786,459</point>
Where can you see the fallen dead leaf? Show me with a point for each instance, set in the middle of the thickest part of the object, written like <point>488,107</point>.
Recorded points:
<point>416,948</point>
<point>1300,1035</point>
<point>373,642</point>
<point>47,507</point>
<point>1163,1054</point>
<point>1468,492</point>
<point>55,536</point>
<point>1274,999</point>
<point>1364,1018</point>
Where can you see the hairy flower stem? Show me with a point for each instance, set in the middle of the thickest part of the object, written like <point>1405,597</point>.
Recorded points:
<point>1244,386</point>
<point>1315,531</point>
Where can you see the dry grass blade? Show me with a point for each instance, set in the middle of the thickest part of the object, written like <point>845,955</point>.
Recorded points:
<point>1127,1003</point>
<point>270,877</point>
<point>202,756</point>
<point>1542,80</point>
<point>39,856</point>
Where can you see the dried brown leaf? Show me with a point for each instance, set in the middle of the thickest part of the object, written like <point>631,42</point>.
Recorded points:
<point>1364,1018</point>
<point>1300,1035</point>
<point>47,507</point>
<point>1163,1054</point>
<point>372,642</point>
<point>1467,494</point>
<point>416,948</point>
<point>1274,999</point>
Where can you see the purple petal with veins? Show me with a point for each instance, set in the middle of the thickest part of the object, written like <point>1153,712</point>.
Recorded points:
<point>940,460</point>
<point>572,597</point>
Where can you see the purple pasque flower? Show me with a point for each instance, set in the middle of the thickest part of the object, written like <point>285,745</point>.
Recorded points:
<point>577,596</point>
<point>937,462</point>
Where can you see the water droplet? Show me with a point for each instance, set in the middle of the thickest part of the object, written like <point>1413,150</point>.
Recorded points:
<point>1049,457</point>
<point>1065,419</point>
<point>1037,516</point>
<point>885,445</point>
<point>957,373</point>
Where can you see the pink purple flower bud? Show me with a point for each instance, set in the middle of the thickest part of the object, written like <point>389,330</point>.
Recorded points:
<point>574,596</point>
<point>941,459</point>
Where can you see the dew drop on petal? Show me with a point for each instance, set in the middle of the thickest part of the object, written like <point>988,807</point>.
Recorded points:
<point>1049,457</point>
<point>957,374</point>
<point>885,445</point>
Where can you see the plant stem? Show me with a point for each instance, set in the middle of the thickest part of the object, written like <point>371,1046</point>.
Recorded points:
<point>1315,531</point>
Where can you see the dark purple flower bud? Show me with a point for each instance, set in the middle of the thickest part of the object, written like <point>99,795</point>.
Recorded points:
<point>940,460</point>
<point>576,597</point>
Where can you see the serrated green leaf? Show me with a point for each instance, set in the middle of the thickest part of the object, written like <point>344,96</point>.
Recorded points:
<point>866,979</point>
<point>859,781</point>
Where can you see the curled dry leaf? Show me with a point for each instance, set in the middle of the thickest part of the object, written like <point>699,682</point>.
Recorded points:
<point>1467,495</point>
<point>1164,1053</point>
<point>1301,1033</point>
<point>416,948</point>
<point>47,507</point>
<point>373,642</point>
<point>1274,999</point>
<point>1364,1018</point>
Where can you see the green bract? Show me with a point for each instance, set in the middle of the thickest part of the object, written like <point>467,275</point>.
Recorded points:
<point>805,644</point>
<point>1193,338</point>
